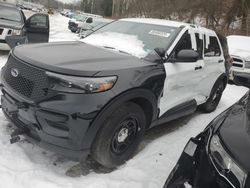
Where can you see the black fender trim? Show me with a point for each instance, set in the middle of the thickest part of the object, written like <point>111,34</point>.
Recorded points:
<point>114,104</point>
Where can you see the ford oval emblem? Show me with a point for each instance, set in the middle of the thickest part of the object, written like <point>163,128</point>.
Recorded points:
<point>14,72</point>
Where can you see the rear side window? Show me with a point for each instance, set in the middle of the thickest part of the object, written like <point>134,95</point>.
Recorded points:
<point>213,48</point>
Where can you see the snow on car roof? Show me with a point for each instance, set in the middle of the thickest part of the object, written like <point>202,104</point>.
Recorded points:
<point>169,23</point>
<point>156,21</point>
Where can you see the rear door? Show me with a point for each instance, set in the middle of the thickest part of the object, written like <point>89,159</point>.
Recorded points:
<point>214,63</point>
<point>37,28</point>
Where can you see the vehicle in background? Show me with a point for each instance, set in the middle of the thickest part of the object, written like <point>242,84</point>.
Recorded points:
<point>239,50</point>
<point>219,156</point>
<point>69,14</point>
<point>86,29</point>
<point>98,96</point>
<point>77,20</point>
<point>16,30</point>
<point>50,11</point>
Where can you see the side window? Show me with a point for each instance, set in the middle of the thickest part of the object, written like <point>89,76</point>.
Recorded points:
<point>184,44</point>
<point>213,48</point>
<point>39,21</point>
<point>199,43</point>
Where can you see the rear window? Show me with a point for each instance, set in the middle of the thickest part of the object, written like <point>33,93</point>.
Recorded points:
<point>10,14</point>
<point>213,48</point>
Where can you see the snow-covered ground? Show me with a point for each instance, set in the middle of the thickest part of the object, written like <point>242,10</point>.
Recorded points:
<point>24,165</point>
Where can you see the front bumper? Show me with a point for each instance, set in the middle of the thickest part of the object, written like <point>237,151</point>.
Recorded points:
<point>56,124</point>
<point>195,168</point>
<point>4,46</point>
<point>234,71</point>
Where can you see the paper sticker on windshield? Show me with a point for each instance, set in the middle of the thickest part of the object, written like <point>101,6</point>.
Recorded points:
<point>159,33</point>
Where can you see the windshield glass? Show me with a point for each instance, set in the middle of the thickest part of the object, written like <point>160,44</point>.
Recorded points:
<point>79,17</point>
<point>11,14</point>
<point>138,39</point>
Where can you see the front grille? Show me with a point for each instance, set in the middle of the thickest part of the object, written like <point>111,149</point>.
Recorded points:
<point>237,65</point>
<point>31,82</point>
<point>1,31</point>
<point>237,60</point>
<point>2,41</point>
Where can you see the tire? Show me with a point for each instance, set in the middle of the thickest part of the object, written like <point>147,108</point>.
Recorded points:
<point>214,98</point>
<point>120,136</point>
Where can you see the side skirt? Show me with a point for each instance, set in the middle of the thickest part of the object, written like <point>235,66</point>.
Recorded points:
<point>181,110</point>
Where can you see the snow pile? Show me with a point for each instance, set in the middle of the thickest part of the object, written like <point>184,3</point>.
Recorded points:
<point>127,43</point>
<point>59,29</point>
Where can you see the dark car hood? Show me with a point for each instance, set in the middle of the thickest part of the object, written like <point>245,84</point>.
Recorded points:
<point>235,132</point>
<point>11,24</point>
<point>75,58</point>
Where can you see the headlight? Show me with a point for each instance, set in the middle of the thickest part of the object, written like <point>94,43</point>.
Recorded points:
<point>247,64</point>
<point>225,164</point>
<point>74,84</point>
<point>16,32</point>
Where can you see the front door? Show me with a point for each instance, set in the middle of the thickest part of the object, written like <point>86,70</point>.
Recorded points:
<point>37,28</point>
<point>181,77</point>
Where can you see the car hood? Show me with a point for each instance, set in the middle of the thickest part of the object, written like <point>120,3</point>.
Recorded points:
<point>245,54</point>
<point>75,58</point>
<point>11,24</point>
<point>235,132</point>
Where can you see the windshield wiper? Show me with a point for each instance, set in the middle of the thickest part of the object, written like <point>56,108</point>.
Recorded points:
<point>109,47</point>
<point>7,19</point>
<point>121,51</point>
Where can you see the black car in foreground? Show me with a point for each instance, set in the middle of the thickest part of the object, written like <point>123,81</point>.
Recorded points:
<point>219,156</point>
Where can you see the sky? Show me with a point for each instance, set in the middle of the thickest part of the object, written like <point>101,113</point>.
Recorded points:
<point>67,1</point>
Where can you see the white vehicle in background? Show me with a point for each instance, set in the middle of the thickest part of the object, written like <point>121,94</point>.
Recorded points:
<point>79,19</point>
<point>239,50</point>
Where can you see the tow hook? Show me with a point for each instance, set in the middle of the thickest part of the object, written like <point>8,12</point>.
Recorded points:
<point>15,136</point>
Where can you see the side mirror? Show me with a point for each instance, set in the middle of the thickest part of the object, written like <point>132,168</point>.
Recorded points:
<point>187,56</point>
<point>161,52</point>
<point>242,79</point>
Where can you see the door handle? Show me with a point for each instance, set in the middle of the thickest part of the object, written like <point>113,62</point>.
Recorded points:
<point>198,68</point>
<point>221,61</point>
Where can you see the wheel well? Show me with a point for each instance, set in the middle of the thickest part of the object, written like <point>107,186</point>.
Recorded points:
<point>146,107</point>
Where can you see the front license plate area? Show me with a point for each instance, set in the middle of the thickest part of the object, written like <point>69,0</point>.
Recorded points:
<point>9,106</point>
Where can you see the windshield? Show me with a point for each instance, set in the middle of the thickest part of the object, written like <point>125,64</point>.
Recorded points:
<point>11,14</point>
<point>79,17</point>
<point>138,39</point>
